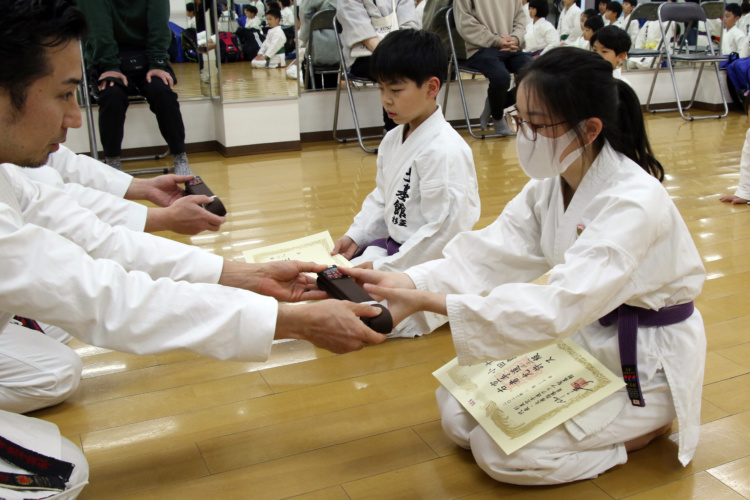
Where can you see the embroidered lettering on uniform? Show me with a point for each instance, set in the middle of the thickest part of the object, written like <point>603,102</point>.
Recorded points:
<point>399,206</point>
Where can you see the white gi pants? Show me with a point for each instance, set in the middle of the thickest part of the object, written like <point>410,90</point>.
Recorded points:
<point>36,371</point>
<point>558,456</point>
<point>279,60</point>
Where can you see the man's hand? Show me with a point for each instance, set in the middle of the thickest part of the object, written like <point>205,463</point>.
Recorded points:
<point>735,200</point>
<point>184,216</point>
<point>333,325</point>
<point>162,190</point>
<point>283,281</point>
<point>509,43</point>
<point>162,75</point>
<point>111,74</point>
<point>346,247</point>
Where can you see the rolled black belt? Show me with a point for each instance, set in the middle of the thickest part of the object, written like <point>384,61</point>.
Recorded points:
<point>47,473</point>
<point>629,318</point>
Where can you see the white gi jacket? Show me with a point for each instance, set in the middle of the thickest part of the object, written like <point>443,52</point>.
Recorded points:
<point>569,23</point>
<point>541,35</point>
<point>733,40</point>
<point>274,43</point>
<point>632,30</point>
<point>426,192</point>
<point>118,288</point>
<point>287,16</point>
<point>93,185</point>
<point>633,248</point>
<point>743,190</point>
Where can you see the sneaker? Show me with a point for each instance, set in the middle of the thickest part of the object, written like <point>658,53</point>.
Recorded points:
<point>502,128</point>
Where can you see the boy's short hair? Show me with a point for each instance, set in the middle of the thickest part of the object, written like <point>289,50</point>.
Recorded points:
<point>274,13</point>
<point>734,9</point>
<point>285,3</point>
<point>634,3</point>
<point>541,6</point>
<point>615,7</point>
<point>594,23</point>
<point>745,6</point>
<point>416,55</point>
<point>190,7</point>
<point>252,9</point>
<point>589,13</point>
<point>612,38</point>
<point>273,5</point>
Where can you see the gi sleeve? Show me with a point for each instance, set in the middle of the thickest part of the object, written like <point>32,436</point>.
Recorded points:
<point>369,224</point>
<point>89,172</point>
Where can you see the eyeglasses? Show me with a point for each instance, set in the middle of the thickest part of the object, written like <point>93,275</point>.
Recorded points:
<point>528,129</point>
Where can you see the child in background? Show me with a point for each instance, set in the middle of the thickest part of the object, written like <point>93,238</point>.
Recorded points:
<point>287,13</point>
<point>733,39</point>
<point>569,21</point>
<point>597,23</point>
<point>622,21</point>
<point>271,53</point>
<point>426,185</point>
<point>540,36</point>
<point>252,21</point>
<point>612,13</point>
<point>613,44</point>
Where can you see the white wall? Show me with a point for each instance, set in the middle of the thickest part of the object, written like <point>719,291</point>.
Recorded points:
<point>177,12</point>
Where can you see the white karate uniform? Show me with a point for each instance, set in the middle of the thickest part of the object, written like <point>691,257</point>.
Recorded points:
<point>569,23</point>
<point>111,287</point>
<point>733,40</point>
<point>287,16</point>
<point>743,190</point>
<point>632,30</point>
<point>634,248</point>
<point>272,49</point>
<point>617,73</point>
<point>579,42</point>
<point>442,200</point>
<point>253,23</point>
<point>649,37</point>
<point>258,4</point>
<point>419,12</point>
<point>541,35</point>
<point>744,24</point>
<point>529,20</point>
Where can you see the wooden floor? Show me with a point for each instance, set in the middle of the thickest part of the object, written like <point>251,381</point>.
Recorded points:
<point>316,426</point>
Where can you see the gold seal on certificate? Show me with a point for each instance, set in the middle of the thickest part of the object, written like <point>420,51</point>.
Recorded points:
<point>519,399</point>
<point>314,248</point>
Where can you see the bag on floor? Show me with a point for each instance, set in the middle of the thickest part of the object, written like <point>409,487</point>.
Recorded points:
<point>230,48</point>
<point>250,41</point>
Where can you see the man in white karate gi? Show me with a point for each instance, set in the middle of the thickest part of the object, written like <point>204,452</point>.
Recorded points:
<point>111,286</point>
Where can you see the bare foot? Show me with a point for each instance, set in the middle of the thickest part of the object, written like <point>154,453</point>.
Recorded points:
<point>641,442</point>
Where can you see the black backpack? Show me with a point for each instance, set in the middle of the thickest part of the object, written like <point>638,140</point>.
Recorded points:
<point>250,41</point>
<point>189,42</point>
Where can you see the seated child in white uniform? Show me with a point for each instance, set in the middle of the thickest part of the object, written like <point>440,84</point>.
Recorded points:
<point>733,39</point>
<point>541,36</point>
<point>622,21</point>
<point>596,217</point>
<point>590,26</point>
<point>742,195</point>
<point>569,21</point>
<point>426,184</point>
<point>287,13</point>
<point>581,42</point>
<point>613,44</point>
<point>252,20</point>
<point>271,54</point>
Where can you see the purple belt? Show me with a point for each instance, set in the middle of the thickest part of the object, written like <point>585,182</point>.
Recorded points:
<point>389,244</point>
<point>628,319</point>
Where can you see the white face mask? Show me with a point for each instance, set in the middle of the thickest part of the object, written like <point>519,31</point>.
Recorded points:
<point>540,159</point>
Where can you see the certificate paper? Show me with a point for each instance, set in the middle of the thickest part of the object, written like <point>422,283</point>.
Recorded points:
<point>315,248</point>
<point>520,399</point>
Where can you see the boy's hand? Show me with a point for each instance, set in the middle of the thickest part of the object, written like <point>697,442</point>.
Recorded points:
<point>346,247</point>
<point>735,200</point>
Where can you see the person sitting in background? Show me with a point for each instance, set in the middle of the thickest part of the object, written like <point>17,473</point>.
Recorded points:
<point>190,12</point>
<point>733,39</point>
<point>271,53</point>
<point>252,21</point>
<point>541,36</point>
<point>569,22</point>
<point>612,13</point>
<point>582,42</point>
<point>287,13</point>
<point>613,44</point>
<point>622,21</point>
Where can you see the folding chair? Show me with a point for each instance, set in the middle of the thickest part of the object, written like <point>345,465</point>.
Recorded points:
<point>460,66</point>
<point>321,21</point>
<point>649,12</point>
<point>85,91</point>
<point>350,80</point>
<point>715,10</point>
<point>691,14</point>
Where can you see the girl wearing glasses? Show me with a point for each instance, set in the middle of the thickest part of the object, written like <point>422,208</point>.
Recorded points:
<point>596,217</point>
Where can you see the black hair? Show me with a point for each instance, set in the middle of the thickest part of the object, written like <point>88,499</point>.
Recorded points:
<point>574,84</point>
<point>589,13</point>
<point>273,5</point>
<point>631,2</point>
<point>745,6</point>
<point>417,55</point>
<point>734,9</point>
<point>615,7</point>
<point>285,3</point>
<point>274,13</point>
<point>595,23</point>
<point>251,8</point>
<point>613,38</point>
<point>541,6</point>
<point>190,7</point>
<point>27,28</point>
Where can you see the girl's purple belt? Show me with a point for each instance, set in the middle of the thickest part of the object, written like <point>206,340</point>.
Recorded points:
<point>389,244</point>
<point>628,319</point>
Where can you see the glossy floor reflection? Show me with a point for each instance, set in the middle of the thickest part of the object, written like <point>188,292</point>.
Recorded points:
<point>312,425</point>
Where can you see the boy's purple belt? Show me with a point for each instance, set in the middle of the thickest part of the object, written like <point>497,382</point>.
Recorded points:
<point>629,318</point>
<point>389,244</point>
